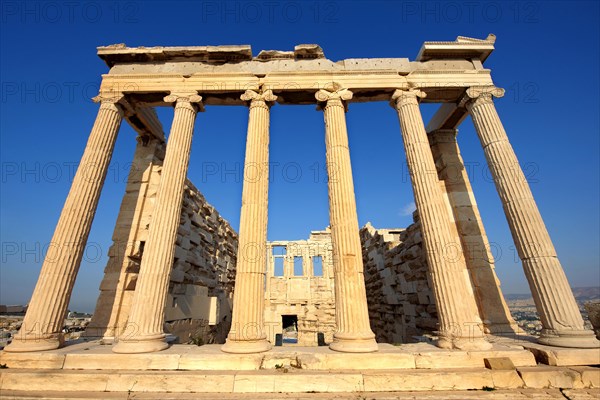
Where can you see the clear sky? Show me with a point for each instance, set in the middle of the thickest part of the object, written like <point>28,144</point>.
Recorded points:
<point>546,57</point>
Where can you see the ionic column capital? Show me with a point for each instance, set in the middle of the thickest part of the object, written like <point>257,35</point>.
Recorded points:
<point>476,95</point>
<point>333,95</point>
<point>406,96</point>
<point>185,99</point>
<point>259,98</point>
<point>113,101</point>
<point>108,98</point>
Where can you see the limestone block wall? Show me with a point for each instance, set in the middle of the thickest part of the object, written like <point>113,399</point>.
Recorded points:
<point>202,279</point>
<point>400,300</point>
<point>203,275</point>
<point>301,293</point>
<point>593,309</point>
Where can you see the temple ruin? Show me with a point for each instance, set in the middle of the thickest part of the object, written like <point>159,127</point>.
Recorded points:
<point>176,261</point>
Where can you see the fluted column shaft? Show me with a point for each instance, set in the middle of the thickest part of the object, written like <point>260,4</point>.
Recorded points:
<point>144,330</point>
<point>247,334</point>
<point>113,304</point>
<point>42,325</point>
<point>493,309</point>
<point>561,320</point>
<point>460,325</point>
<point>353,332</point>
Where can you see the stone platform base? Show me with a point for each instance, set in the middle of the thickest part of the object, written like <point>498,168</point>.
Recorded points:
<point>550,355</point>
<point>93,355</point>
<point>296,380</point>
<point>561,356</point>
<point>511,394</point>
<point>89,367</point>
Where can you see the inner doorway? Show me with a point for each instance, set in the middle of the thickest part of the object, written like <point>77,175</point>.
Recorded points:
<point>289,325</point>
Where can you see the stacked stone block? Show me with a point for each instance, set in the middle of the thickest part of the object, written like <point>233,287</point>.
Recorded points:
<point>205,256</point>
<point>309,297</point>
<point>401,305</point>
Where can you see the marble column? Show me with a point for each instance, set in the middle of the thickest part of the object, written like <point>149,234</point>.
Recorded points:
<point>493,309</point>
<point>561,320</point>
<point>247,334</point>
<point>120,275</point>
<point>43,322</point>
<point>460,326</point>
<point>353,333</point>
<point>144,330</point>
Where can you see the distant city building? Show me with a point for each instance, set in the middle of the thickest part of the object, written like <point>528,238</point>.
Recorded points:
<point>12,310</point>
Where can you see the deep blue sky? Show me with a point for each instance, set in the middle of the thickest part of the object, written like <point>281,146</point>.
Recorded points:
<point>546,57</point>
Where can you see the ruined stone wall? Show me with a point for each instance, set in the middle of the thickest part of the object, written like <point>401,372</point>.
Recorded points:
<point>401,304</point>
<point>311,298</point>
<point>203,275</point>
<point>202,279</point>
<point>593,311</point>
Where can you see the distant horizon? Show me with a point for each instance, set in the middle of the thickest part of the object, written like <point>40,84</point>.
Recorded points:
<point>506,295</point>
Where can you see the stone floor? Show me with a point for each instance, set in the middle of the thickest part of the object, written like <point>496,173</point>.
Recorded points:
<point>93,370</point>
<point>93,355</point>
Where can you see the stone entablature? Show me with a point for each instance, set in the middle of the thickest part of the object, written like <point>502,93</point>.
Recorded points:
<point>221,72</point>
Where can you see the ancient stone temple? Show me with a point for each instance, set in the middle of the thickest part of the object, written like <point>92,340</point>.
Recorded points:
<point>175,259</point>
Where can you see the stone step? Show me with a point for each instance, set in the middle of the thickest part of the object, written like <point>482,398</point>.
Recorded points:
<point>92,355</point>
<point>543,376</point>
<point>293,380</point>
<point>511,394</point>
<point>562,356</point>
